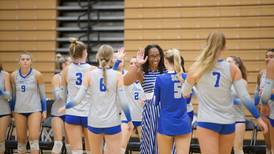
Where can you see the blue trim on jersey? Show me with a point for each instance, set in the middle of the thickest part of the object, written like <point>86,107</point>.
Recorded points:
<point>69,105</point>
<point>251,108</point>
<point>44,104</point>
<point>108,130</point>
<point>20,73</point>
<point>272,97</point>
<point>76,120</point>
<point>135,123</point>
<point>236,101</point>
<point>271,121</point>
<point>223,129</point>
<point>256,98</point>
<point>116,64</point>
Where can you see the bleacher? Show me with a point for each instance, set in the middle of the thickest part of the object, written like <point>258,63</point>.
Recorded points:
<point>93,22</point>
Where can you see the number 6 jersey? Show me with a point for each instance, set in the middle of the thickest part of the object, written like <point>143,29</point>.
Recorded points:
<point>214,94</point>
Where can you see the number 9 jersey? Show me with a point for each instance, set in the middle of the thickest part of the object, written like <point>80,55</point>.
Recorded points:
<point>214,95</point>
<point>75,78</point>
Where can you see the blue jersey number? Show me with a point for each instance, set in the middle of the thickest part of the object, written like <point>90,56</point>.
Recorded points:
<point>136,96</point>
<point>102,85</point>
<point>79,80</point>
<point>218,76</point>
<point>23,88</point>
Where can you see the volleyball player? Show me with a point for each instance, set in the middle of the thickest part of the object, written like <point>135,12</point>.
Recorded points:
<point>5,95</point>
<point>213,78</point>
<point>238,108</point>
<point>72,79</point>
<point>30,103</point>
<point>174,123</point>
<point>104,122</point>
<point>268,99</point>
<point>269,54</point>
<point>57,122</point>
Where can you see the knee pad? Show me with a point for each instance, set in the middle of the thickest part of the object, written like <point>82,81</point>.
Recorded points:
<point>34,145</point>
<point>57,147</point>
<point>76,151</point>
<point>2,147</point>
<point>21,148</point>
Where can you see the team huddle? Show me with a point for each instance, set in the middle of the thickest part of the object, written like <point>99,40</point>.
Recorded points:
<point>105,104</point>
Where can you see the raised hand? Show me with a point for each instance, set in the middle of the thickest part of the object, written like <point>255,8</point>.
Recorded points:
<point>140,60</point>
<point>120,55</point>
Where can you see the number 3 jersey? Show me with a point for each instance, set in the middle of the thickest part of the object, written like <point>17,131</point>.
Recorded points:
<point>27,94</point>
<point>214,95</point>
<point>75,77</point>
<point>135,94</point>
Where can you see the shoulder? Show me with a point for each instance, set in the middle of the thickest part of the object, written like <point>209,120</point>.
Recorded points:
<point>13,74</point>
<point>37,73</point>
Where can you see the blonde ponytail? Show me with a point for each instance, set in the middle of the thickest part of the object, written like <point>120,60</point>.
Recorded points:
<point>173,56</point>
<point>103,64</point>
<point>104,56</point>
<point>207,59</point>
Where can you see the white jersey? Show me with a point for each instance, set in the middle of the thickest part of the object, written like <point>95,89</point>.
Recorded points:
<point>57,103</point>
<point>214,94</point>
<point>271,103</point>
<point>238,109</point>
<point>4,106</point>
<point>135,94</point>
<point>104,110</point>
<point>28,99</point>
<point>75,78</point>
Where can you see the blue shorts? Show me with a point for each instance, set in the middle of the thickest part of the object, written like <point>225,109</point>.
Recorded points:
<point>76,120</point>
<point>135,123</point>
<point>271,121</point>
<point>61,117</point>
<point>223,129</point>
<point>4,115</point>
<point>239,122</point>
<point>108,130</point>
<point>190,114</point>
<point>26,114</point>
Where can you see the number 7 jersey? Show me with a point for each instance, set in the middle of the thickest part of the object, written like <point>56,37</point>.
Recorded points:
<point>214,94</point>
<point>75,77</point>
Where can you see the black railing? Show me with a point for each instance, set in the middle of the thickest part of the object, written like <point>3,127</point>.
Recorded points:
<point>89,28</point>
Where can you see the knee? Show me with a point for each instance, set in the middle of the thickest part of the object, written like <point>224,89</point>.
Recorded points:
<point>34,145</point>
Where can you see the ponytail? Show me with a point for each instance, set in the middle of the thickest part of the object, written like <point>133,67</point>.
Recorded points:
<point>207,59</point>
<point>76,48</point>
<point>104,56</point>
<point>174,58</point>
<point>103,64</point>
